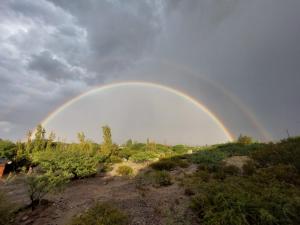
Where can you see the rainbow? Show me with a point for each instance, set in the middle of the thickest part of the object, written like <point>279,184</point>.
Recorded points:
<point>146,84</point>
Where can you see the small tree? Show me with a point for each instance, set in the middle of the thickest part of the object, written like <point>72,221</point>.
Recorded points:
<point>107,145</point>
<point>245,140</point>
<point>39,141</point>
<point>39,185</point>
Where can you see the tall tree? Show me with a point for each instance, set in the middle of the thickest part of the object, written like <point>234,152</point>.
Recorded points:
<point>39,141</point>
<point>50,140</point>
<point>107,145</point>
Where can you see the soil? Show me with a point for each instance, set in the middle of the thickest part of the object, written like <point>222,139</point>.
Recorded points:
<point>147,206</point>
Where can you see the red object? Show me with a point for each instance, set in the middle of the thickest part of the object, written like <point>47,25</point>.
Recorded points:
<point>2,167</point>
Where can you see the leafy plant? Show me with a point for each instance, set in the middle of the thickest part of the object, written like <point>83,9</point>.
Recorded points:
<point>101,214</point>
<point>162,178</point>
<point>39,185</point>
<point>125,170</point>
<point>6,210</point>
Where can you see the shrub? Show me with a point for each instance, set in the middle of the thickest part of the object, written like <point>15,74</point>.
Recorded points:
<point>231,170</point>
<point>39,185</point>
<point>164,164</point>
<point>70,161</point>
<point>125,170</point>
<point>249,168</point>
<point>101,214</point>
<point>6,210</point>
<point>286,152</point>
<point>162,178</point>
<point>143,156</point>
<point>208,157</point>
<point>241,201</point>
<point>245,140</point>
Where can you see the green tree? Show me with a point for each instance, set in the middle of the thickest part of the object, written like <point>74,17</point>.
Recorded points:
<point>245,140</point>
<point>107,145</point>
<point>39,141</point>
<point>50,141</point>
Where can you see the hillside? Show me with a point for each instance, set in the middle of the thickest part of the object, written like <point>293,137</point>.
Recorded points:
<point>136,183</point>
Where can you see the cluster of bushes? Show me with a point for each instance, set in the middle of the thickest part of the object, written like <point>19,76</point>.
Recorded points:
<point>267,191</point>
<point>101,214</point>
<point>155,178</point>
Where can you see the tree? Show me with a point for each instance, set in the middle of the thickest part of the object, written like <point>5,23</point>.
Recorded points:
<point>39,141</point>
<point>107,145</point>
<point>39,185</point>
<point>50,140</point>
<point>245,140</point>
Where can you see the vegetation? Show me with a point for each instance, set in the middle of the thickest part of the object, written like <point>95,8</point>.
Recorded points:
<point>101,214</point>
<point>125,171</point>
<point>40,185</point>
<point>263,189</point>
<point>6,210</point>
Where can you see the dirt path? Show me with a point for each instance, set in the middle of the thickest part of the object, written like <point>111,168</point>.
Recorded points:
<point>152,206</point>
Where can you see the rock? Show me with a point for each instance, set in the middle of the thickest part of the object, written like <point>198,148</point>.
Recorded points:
<point>24,218</point>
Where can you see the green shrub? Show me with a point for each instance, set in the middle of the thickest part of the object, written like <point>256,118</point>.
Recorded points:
<point>243,201</point>
<point>162,178</point>
<point>8,149</point>
<point>115,159</point>
<point>40,185</point>
<point>101,214</point>
<point>286,152</point>
<point>71,161</point>
<point>125,170</point>
<point>249,168</point>
<point>164,164</point>
<point>6,210</point>
<point>143,156</point>
<point>231,170</point>
<point>208,157</point>
<point>245,140</point>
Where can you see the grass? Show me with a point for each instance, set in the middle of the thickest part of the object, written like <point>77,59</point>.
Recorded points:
<point>101,214</point>
<point>124,170</point>
<point>6,210</point>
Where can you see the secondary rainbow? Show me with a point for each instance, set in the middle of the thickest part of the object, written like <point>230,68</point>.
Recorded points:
<point>146,84</point>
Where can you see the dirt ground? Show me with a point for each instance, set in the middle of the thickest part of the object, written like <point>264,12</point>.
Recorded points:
<point>148,206</point>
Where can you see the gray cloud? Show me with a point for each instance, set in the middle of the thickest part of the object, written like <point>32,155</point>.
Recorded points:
<point>53,50</point>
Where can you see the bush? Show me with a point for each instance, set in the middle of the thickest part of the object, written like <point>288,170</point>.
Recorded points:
<point>249,168</point>
<point>125,171</point>
<point>71,161</point>
<point>164,164</point>
<point>241,201</point>
<point>245,140</point>
<point>162,178</point>
<point>6,210</point>
<point>143,156</point>
<point>231,170</point>
<point>286,152</point>
<point>101,214</point>
<point>39,185</point>
<point>208,157</point>
<point>7,149</point>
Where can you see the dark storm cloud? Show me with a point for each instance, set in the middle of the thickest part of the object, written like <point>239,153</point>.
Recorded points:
<point>53,50</point>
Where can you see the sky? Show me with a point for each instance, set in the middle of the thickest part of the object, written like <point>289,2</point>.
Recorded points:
<point>239,58</point>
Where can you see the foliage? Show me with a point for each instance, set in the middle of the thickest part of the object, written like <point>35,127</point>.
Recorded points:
<point>6,210</point>
<point>164,164</point>
<point>162,178</point>
<point>231,170</point>
<point>245,140</point>
<point>70,160</point>
<point>39,185</point>
<point>285,152</point>
<point>208,157</point>
<point>101,214</point>
<point>242,201</point>
<point>144,156</point>
<point>125,170</point>
<point>7,149</point>
<point>107,145</point>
